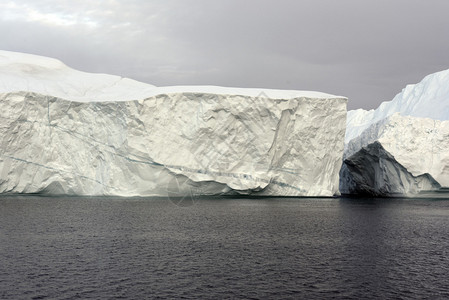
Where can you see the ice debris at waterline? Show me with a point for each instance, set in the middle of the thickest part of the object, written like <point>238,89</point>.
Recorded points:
<point>68,132</point>
<point>401,148</point>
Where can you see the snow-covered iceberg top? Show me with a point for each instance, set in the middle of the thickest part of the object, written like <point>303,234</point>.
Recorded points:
<point>426,99</point>
<point>48,76</point>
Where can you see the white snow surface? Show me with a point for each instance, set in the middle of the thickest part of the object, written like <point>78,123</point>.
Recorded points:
<point>67,132</point>
<point>48,76</point>
<point>426,99</point>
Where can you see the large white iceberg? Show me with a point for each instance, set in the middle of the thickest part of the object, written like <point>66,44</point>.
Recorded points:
<point>401,148</point>
<point>68,132</point>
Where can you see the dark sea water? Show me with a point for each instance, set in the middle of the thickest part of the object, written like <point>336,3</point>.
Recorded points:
<point>272,248</point>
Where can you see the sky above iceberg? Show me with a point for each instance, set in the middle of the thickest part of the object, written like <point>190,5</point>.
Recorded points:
<point>365,50</point>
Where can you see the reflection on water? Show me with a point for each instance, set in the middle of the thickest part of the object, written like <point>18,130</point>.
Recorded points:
<point>442,193</point>
<point>63,248</point>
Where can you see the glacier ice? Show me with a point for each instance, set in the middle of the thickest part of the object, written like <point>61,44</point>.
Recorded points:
<point>412,130</point>
<point>399,155</point>
<point>426,99</point>
<point>67,132</point>
<point>374,171</point>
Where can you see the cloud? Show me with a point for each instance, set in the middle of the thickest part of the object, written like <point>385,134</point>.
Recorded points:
<point>366,50</point>
<point>29,12</point>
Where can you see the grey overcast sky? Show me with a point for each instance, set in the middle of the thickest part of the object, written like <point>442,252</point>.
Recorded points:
<point>367,50</point>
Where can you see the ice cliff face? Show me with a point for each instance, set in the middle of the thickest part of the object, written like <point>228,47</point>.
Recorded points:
<point>374,171</point>
<point>399,155</point>
<point>409,134</point>
<point>120,137</point>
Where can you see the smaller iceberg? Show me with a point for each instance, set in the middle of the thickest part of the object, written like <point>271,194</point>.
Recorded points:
<point>401,148</point>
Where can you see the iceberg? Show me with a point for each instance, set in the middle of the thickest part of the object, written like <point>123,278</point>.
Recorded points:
<point>66,132</point>
<point>399,155</point>
<point>426,99</point>
<point>401,147</point>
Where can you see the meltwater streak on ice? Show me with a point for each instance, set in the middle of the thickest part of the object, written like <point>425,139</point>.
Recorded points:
<point>131,139</point>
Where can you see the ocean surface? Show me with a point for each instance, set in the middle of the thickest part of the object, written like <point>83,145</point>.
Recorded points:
<point>223,248</point>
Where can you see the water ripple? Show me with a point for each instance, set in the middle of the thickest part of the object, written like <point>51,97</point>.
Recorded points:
<point>91,248</point>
